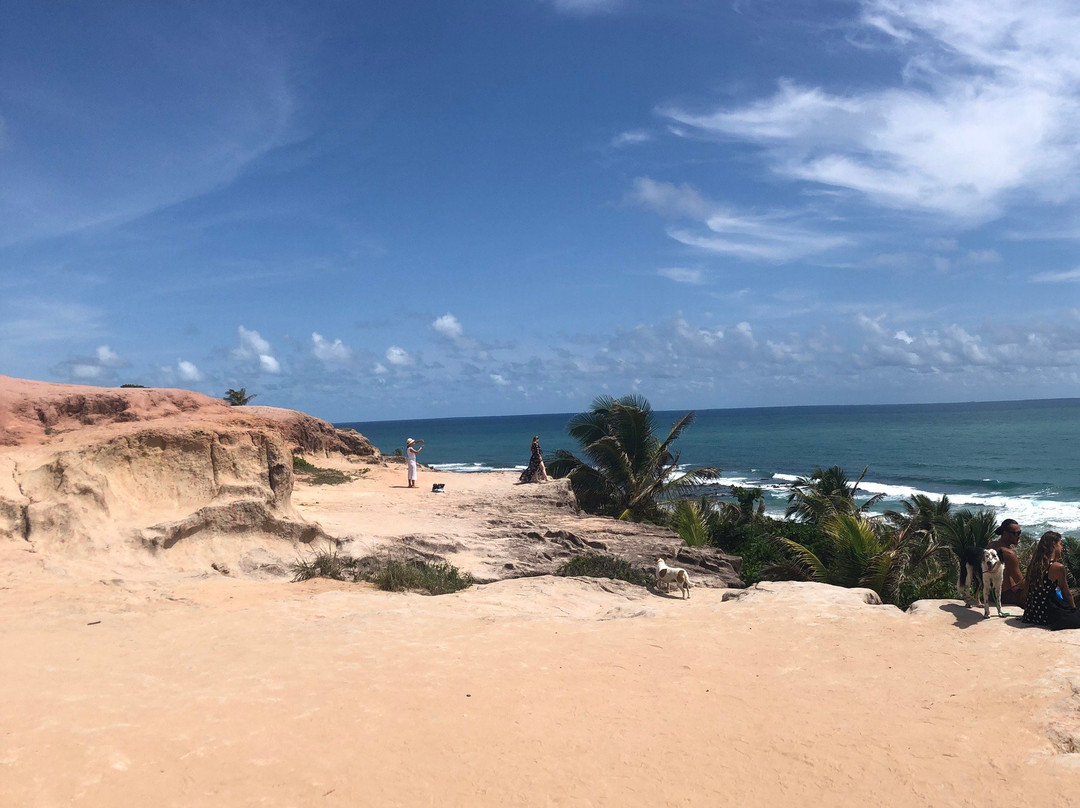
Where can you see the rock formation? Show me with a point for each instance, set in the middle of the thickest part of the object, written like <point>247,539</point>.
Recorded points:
<point>86,470</point>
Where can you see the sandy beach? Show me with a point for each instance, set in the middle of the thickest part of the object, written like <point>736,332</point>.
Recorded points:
<point>133,677</point>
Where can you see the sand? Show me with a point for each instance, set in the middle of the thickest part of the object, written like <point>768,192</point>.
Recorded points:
<point>174,688</point>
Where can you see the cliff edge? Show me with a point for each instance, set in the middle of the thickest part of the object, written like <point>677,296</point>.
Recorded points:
<point>144,473</point>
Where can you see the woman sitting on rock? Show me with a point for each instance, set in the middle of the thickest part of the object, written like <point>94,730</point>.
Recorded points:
<point>1045,580</point>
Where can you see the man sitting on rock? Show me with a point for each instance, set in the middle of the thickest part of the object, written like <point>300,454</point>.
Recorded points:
<point>1014,587</point>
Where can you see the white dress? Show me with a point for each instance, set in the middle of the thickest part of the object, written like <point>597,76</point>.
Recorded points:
<point>412,463</point>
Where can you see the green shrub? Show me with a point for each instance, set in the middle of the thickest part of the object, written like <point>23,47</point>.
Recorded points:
<point>390,574</point>
<point>593,565</point>
<point>319,476</point>
<point>438,578</point>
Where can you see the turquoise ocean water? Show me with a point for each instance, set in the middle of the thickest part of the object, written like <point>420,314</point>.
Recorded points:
<point>1016,457</point>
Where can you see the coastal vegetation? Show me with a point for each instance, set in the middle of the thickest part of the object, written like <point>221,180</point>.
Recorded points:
<point>628,471</point>
<point>628,468</point>
<point>388,573</point>
<point>903,556</point>
<point>595,565</point>
<point>320,476</point>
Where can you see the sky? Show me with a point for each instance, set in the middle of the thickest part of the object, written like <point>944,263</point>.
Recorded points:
<point>370,210</point>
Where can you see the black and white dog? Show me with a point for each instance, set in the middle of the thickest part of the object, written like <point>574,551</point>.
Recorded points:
<point>983,568</point>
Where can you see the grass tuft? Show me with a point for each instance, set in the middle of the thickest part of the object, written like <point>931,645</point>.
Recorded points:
<point>438,578</point>
<point>328,564</point>
<point>320,476</point>
<point>594,565</point>
<point>388,574</point>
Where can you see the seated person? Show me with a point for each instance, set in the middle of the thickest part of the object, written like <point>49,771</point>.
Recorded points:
<point>1045,577</point>
<point>1014,586</point>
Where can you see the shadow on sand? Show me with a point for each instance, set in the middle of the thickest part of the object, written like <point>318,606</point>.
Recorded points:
<point>968,616</point>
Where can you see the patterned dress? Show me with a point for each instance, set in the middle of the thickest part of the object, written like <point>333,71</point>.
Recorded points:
<point>537,457</point>
<point>1037,608</point>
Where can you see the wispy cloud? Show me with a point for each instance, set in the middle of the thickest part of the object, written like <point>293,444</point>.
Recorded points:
<point>631,138</point>
<point>1067,276</point>
<point>581,8</point>
<point>989,109</point>
<point>694,277</point>
<point>29,321</point>
<point>774,237</point>
<point>206,106</point>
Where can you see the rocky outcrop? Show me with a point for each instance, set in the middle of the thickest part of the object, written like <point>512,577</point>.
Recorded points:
<point>87,471</point>
<point>536,529</point>
<point>311,436</point>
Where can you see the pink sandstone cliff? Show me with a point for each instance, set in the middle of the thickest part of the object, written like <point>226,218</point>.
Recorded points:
<point>85,470</point>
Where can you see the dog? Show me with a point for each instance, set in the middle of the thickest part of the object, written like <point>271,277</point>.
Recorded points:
<point>983,568</point>
<point>667,575</point>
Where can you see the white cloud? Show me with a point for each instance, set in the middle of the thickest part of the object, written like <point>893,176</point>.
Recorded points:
<point>326,351</point>
<point>694,277</point>
<point>251,344</point>
<point>187,371</point>
<point>380,369</point>
<point>499,379</point>
<point>448,326</point>
<point>670,200</point>
<point>398,356</point>
<point>989,108</point>
<point>631,138</point>
<point>108,357</point>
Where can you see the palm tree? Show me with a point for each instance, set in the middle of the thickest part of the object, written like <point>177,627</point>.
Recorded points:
<point>927,563</point>
<point>629,468</point>
<point>692,521</point>
<point>863,554</point>
<point>966,528</point>
<point>238,398</point>
<point>824,493</point>
<point>899,556</point>
<point>920,513</point>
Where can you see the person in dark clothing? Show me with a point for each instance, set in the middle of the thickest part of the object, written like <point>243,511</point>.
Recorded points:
<point>1045,580</point>
<point>535,472</point>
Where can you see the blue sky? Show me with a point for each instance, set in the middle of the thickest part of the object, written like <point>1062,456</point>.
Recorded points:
<point>420,209</point>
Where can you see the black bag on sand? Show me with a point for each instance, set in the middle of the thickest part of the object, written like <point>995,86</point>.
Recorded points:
<point>1060,616</point>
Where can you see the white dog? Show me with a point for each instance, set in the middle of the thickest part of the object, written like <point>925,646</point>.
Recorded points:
<point>667,575</point>
<point>983,568</point>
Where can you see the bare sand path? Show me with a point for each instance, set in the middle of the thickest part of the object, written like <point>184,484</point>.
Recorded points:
<point>541,691</point>
<point>136,679</point>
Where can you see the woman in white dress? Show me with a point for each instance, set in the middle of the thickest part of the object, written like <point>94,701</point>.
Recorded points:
<point>412,449</point>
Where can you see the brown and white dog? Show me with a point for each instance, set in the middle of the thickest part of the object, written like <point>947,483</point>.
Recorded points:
<point>668,575</point>
<point>983,568</point>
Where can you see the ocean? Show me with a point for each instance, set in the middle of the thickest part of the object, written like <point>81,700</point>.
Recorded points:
<point>1013,456</point>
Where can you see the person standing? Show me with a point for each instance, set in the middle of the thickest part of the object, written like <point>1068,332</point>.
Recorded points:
<point>1014,587</point>
<point>412,449</point>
